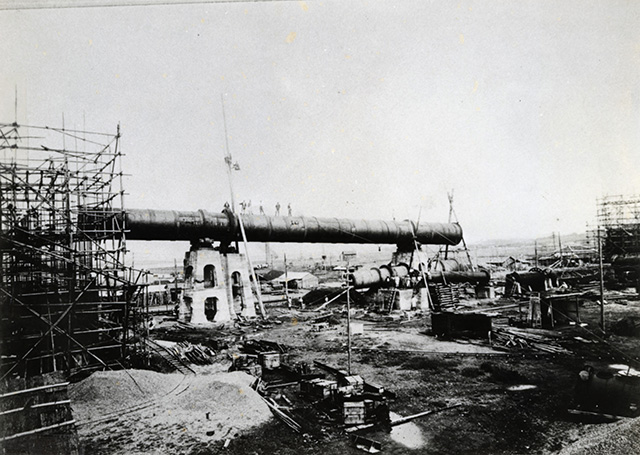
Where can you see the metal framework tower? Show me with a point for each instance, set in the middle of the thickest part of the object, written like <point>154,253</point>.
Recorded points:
<point>619,221</point>
<point>67,300</point>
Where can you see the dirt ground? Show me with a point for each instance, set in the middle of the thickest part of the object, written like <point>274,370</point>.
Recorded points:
<point>509,402</point>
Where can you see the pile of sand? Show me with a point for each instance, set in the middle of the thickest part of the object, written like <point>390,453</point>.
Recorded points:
<point>106,392</point>
<point>619,438</point>
<point>165,411</point>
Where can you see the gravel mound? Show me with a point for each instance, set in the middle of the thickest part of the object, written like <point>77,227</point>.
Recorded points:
<point>105,392</point>
<point>619,438</point>
<point>166,411</point>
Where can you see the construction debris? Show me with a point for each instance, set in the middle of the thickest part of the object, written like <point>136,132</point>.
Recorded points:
<point>283,415</point>
<point>198,354</point>
<point>366,444</point>
<point>511,339</point>
<point>170,356</point>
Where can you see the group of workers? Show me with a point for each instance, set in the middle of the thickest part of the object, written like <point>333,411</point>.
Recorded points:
<point>245,207</point>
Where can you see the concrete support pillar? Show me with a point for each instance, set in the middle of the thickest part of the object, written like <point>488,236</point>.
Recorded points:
<point>485,292</point>
<point>227,284</point>
<point>423,300</point>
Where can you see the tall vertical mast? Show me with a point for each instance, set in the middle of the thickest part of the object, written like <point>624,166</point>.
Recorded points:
<point>348,324</point>
<point>230,168</point>
<point>227,157</point>
<point>601,275</point>
<point>450,197</point>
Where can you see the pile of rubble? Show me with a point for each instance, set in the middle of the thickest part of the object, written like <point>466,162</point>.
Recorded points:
<point>194,353</point>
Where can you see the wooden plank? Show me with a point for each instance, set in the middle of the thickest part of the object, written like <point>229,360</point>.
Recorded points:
<point>33,389</point>
<point>38,430</point>
<point>40,405</point>
<point>403,420</point>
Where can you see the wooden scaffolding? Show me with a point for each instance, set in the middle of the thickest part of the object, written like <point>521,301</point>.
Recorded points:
<point>67,299</point>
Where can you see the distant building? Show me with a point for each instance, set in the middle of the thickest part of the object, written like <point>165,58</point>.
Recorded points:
<point>298,280</point>
<point>512,264</point>
<point>348,256</point>
<point>269,275</point>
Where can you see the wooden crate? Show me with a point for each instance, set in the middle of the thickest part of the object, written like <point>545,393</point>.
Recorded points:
<point>270,360</point>
<point>353,412</point>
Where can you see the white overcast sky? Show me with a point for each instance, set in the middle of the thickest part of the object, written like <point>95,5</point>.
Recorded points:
<point>529,110</point>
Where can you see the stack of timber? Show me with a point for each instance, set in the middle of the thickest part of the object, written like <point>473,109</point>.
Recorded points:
<point>509,339</point>
<point>36,417</point>
<point>173,360</point>
<point>447,296</point>
<point>282,414</point>
<point>195,353</point>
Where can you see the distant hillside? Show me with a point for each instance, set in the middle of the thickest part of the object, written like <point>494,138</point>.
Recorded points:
<point>548,240</point>
<point>497,249</point>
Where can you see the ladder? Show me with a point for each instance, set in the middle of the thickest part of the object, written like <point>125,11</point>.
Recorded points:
<point>391,300</point>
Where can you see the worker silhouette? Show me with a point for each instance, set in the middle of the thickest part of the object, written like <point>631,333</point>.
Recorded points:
<point>277,209</point>
<point>289,208</point>
<point>261,209</point>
